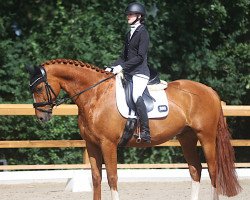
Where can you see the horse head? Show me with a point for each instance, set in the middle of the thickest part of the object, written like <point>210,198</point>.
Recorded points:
<point>45,91</point>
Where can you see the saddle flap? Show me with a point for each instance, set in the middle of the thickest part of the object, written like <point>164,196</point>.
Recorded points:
<point>128,88</point>
<point>157,96</point>
<point>148,100</point>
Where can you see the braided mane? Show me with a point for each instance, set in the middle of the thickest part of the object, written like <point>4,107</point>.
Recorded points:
<point>72,62</point>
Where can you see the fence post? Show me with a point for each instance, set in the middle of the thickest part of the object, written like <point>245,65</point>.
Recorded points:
<point>85,156</point>
<point>223,103</point>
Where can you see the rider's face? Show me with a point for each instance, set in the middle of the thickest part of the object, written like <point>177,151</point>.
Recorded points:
<point>131,18</point>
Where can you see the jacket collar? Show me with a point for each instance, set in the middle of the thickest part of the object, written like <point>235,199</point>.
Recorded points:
<point>135,32</point>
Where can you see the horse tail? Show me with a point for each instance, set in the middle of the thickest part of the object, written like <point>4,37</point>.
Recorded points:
<point>226,180</point>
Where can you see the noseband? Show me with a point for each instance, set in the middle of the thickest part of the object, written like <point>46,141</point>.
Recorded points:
<point>49,92</point>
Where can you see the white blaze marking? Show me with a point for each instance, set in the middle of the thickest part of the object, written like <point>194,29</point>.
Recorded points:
<point>34,98</point>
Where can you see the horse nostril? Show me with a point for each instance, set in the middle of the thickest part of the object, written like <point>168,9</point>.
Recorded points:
<point>41,119</point>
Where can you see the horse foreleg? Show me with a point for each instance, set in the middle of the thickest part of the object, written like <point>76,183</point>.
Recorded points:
<point>188,141</point>
<point>95,158</point>
<point>109,151</point>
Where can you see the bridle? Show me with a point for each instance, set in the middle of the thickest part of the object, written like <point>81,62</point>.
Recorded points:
<point>50,92</point>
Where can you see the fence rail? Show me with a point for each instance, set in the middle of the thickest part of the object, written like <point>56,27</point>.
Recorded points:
<point>69,109</point>
<point>27,109</point>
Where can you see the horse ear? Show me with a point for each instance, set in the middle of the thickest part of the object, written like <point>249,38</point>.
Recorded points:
<point>30,69</point>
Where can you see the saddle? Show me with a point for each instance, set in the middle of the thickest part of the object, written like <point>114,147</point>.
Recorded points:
<point>154,99</point>
<point>128,89</point>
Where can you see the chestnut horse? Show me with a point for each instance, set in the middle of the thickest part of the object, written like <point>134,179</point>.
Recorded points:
<point>195,115</point>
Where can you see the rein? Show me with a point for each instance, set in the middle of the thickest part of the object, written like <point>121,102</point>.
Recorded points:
<point>65,99</point>
<point>50,91</point>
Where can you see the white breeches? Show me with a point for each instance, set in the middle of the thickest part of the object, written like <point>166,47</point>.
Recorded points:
<point>140,82</point>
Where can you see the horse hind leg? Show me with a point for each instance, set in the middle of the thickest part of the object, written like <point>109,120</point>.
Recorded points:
<point>188,141</point>
<point>209,149</point>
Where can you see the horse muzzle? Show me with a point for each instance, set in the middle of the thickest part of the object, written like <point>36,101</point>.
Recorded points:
<point>43,115</point>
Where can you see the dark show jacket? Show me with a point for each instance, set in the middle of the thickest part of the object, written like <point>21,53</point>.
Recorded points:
<point>134,55</point>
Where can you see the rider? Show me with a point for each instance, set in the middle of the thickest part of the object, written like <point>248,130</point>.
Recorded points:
<point>133,61</point>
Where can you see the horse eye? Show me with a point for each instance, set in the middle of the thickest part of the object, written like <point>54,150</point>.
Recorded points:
<point>39,90</point>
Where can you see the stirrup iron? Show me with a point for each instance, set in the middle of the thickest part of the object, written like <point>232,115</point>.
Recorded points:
<point>138,139</point>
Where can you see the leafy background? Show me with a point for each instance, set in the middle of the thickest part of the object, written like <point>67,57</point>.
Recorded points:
<point>205,41</point>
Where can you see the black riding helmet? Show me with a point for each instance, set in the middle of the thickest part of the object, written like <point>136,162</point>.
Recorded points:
<point>136,8</point>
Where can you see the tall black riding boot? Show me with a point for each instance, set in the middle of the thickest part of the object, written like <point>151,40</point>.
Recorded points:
<point>143,116</point>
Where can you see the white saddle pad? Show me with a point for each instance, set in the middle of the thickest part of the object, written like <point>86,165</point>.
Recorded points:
<point>156,91</point>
